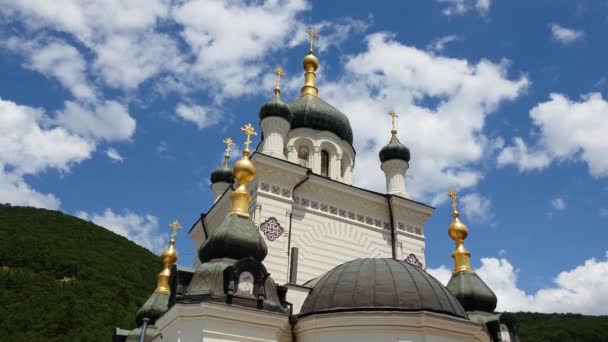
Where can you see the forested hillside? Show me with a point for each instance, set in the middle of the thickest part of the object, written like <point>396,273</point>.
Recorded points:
<point>66,279</point>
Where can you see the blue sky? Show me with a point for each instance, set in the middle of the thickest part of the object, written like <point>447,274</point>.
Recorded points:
<point>115,111</point>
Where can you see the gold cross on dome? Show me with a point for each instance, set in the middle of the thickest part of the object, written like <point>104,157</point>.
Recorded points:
<point>454,196</point>
<point>393,116</point>
<point>313,34</point>
<point>175,226</point>
<point>249,131</point>
<point>279,72</point>
<point>229,143</point>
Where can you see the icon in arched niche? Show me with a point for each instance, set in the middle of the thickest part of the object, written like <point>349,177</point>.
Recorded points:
<point>245,284</point>
<point>413,260</point>
<point>272,229</point>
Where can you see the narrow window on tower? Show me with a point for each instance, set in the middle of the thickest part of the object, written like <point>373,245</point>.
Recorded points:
<point>324,163</point>
<point>303,156</point>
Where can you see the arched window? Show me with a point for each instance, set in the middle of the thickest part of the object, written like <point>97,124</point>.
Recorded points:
<point>324,163</point>
<point>303,156</point>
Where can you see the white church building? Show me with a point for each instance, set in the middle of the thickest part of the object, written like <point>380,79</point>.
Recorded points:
<point>291,251</point>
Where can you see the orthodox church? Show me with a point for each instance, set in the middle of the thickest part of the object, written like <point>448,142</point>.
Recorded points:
<point>290,250</point>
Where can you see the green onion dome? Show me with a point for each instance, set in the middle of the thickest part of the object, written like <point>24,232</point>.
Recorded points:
<point>311,111</point>
<point>222,174</point>
<point>277,108</point>
<point>394,150</point>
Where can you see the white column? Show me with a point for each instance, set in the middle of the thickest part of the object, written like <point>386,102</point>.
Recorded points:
<point>316,159</point>
<point>218,189</point>
<point>275,129</point>
<point>395,170</point>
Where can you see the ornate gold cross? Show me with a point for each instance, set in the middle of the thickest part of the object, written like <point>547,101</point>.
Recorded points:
<point>175,226</point>
<point>393,115</point>
<point>279,72</point>
<point>454,197</point>
<point>229,143</point>
<point>249,131</point>
<point>313,34</point>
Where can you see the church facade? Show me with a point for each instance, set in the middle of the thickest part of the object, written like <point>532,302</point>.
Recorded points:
<point>292,251</point>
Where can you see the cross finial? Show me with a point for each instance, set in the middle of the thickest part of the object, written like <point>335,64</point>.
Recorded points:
<point>249,131</point>
<point>175,226</point>
<point>229,143</point>
<point>313,34</point>
<point>279,72</point>
<point>393,116</point>
<point>454,196</point>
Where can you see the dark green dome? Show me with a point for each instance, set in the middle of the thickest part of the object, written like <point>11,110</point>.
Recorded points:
<point>276,107</point>
<point>375,284</point>
<point>394,150</point>
<point>312,112</point>
<point>222,174</point>
<point>472,292</point>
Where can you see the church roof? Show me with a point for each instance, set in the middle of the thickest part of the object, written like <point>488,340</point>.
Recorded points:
<point>277,108</point>
<point>394,150</point>
<point>374,284</point>
<point>472,292</point>
<point>312,112</point>
<point>222,174</point>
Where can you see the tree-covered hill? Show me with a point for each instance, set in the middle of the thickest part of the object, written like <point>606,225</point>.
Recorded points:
<point>66,279</point>
<point>537,327</point>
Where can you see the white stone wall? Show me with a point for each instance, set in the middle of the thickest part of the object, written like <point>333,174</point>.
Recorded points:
<point>388,327</point>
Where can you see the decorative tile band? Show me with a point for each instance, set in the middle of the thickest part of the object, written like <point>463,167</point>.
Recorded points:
<point>332,210</point>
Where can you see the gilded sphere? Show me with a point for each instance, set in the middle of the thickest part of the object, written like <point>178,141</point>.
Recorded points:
<point>312,60</point>
<point>458,231</point>
<point>169,255</point>
<point>244,170</point>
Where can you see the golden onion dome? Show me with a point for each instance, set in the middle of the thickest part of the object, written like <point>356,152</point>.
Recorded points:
<point>244,170</point>
<point>169,255</point>
<point>458,231</point>
<point>310,62</point>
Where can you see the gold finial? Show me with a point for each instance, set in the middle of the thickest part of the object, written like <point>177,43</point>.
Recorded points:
<point>244,172</point>
<point>311,64</point>
<point>249,131</point>
<point>313,34</point>
<point>393,116</point>
<point>175,226</point>
<point>458,231</point>
<point>279,72</point>
<point>168,258</point>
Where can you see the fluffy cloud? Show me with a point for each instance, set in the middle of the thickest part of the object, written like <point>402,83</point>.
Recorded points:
<point>477,208</point>
<point>107,120</point>
<point>201,116</point>
<point>459,7</point>
<point>579,290</point>
<point>142,229</point>
<point>391,75</point>
<point>114,155</point>
<point>30,144</point>
<point>565,35</point>
<point>558,203</point>
<point>569,130</point>
<point>439,44</point>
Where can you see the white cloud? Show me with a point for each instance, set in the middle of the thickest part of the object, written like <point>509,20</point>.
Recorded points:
<point>29,144</point>
<point>442,273</point>
<point>579,290</point>
<point>107,120</point>
<point>142,229</point>
<point>558,203</point>
<point>459,7</point>
<point>14,190</point>
<point>57,59</point>
<point>565,35</point>
<point>477,208</point>
<point>201,116</point>
<point>569,130</point>
<point>390,75</point>
<point>114,155</point>
<point>439,44</point>
<point>518,154</point>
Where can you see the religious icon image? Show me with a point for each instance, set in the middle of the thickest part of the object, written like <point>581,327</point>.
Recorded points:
<point>245,283</point>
